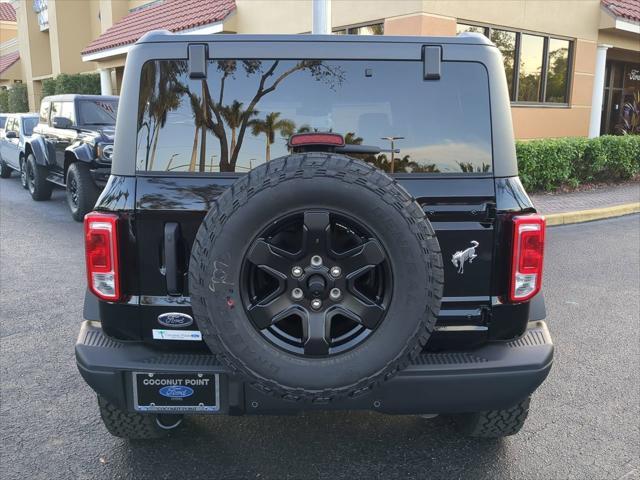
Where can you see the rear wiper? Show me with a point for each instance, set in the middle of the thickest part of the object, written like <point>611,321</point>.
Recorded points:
<point>366,149</point>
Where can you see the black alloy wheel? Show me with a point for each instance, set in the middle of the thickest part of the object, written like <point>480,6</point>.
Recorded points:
<point>73,191</point>
<point>31,179</point>
<point>23,174</point>
<point>316,283</point>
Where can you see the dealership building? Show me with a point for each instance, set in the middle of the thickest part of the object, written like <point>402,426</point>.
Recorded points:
<point>570,65</point>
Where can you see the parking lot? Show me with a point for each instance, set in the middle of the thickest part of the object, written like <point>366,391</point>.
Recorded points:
<point>583,424</point>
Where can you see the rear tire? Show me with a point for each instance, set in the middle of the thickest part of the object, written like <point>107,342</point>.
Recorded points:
<point>5,170</point>
<point>136,426</point>
<point>82,192</point>
<point>37,183</point>
<point>495,423</point>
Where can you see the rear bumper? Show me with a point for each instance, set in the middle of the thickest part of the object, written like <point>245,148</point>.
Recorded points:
<point>494,376</point>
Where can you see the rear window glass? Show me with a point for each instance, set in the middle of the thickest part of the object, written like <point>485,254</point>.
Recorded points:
<point>97,112</point>
<point>245,111</point>
<point>3,121</point>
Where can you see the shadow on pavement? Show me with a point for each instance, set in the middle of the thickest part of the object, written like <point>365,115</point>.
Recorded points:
<point>317,445</point>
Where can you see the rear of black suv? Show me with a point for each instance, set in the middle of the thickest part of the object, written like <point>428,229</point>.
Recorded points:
<point>297,223</point>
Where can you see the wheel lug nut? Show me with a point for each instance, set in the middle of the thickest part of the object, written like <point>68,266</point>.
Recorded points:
<point>335,294</point>
<point>297,293</point>
<point>336,271</point>
<point>316,261</point>
<point>297,271</point>
<point>316,303</point>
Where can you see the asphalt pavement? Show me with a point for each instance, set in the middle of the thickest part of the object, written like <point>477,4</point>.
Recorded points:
<point>584,422</point>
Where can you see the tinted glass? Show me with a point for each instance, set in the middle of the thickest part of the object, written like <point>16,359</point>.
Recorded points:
<point>529,78</point>
<point>3,121</point>
<point>377,29</point>
<point>557,70</point>
<point>97,112</point>
<point>506,43</point>
<point>67,111</point>
<point>44,112</point>
<point>461,27</point>
<point>28,124</point>
<point>56,108</point>
<point>197,125</point>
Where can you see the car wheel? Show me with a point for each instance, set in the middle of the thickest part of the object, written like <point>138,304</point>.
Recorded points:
<point>37,183</point>
<point>5,170</point>
<point>23,173</point>
<point>82,192</point>
<point>495,423</point>
<point>136,426</point>
<point>316,277</point>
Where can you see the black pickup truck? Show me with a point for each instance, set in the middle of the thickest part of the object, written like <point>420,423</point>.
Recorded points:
<point>72,147</point>
<point>296,223</point>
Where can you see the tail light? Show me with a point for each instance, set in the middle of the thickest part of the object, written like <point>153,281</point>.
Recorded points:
<point>528,256</point>
<point>101,248</point>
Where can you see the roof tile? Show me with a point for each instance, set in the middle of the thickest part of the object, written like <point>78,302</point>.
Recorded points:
<point>629,9</point>
<point>172,15</point>
<point>7,60</point>
<point>7,12</point>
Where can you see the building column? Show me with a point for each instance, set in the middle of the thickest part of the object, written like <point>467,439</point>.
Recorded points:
<point>105,82</point>
<point>598,91</point>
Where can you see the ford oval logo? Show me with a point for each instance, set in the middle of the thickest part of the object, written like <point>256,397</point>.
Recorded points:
<point>176,391</point>
<point>175,319</point>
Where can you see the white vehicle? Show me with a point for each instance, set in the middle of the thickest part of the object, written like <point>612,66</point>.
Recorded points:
<point>18,126</point>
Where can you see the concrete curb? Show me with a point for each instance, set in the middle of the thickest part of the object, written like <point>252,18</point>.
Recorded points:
<point>580,216</point>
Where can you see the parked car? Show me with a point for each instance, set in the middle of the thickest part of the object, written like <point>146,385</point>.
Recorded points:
<point>71,147</point>
<point>342,275</point>
<point>18,128</point>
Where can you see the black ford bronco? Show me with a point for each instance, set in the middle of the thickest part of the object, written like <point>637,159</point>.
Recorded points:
<point>71,147</point>
<point>296,223</point>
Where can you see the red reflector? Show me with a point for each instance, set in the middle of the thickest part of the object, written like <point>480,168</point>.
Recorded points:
<point>528,257</point>
<point>101,249</point>
<point>300,139</point>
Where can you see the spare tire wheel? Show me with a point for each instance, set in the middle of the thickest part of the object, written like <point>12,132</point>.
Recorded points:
<point>316,276</point>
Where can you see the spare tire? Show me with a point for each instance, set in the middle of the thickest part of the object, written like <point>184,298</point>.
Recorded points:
<point>316,276</point>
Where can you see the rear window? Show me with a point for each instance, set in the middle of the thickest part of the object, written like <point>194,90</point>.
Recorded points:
<point>3,121</point>
<point>245,111</point>
<point>97,112</point>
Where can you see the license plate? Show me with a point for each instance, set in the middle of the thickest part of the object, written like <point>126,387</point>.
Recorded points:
<point>176,392</point>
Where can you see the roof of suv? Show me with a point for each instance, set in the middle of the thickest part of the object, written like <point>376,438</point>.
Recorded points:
<point>73,96</point>
<point>164,36</point>
<point>163,45</point>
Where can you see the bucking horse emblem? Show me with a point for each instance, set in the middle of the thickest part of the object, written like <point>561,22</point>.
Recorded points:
<point>462,256</point>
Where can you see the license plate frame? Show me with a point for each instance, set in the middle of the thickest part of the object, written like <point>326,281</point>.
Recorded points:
<point>147,398</point>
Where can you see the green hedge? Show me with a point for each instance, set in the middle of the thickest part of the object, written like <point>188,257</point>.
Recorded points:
<point>82,83</point>
<point>17,99</point>
<point>14,99</point>
<point>548,164</point>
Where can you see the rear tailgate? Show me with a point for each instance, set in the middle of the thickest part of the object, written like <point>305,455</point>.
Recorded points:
<point>460,210</point>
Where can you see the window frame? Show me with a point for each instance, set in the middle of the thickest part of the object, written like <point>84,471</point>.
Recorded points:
<point>488,28</point>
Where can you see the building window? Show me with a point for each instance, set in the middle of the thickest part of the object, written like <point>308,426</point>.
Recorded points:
<point>536,66</point>
<point>530,68</point>
<point>557,71</point>
<point>41,8</point>
<point>370,29</point>
<point>506,43</point>
<point>462,28</point>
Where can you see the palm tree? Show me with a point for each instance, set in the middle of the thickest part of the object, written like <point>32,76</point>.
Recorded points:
<point>234,114</point>
<point>351,139</point>
<point>270,126</point>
